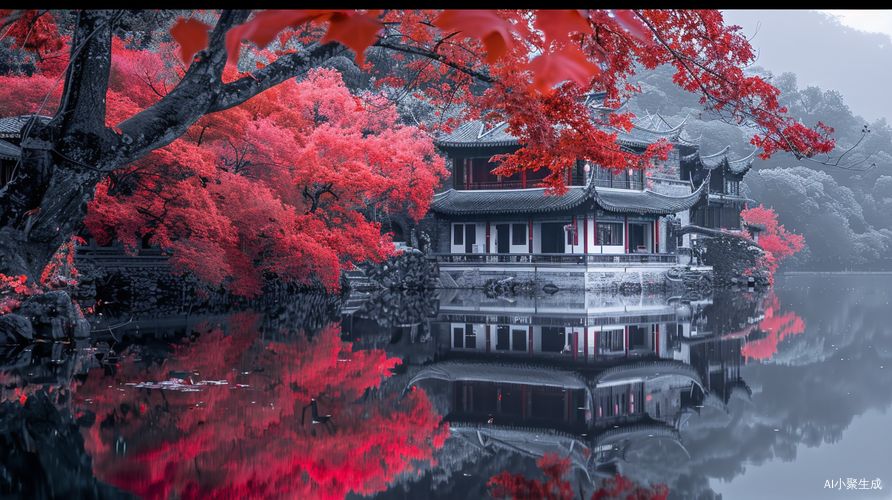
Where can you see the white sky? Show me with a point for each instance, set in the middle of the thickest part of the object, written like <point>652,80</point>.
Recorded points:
<point>865,20</point>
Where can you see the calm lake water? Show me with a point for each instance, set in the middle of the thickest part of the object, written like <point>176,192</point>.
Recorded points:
<point>781,394</point>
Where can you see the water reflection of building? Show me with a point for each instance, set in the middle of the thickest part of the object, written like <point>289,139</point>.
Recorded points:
<point>584,375</point>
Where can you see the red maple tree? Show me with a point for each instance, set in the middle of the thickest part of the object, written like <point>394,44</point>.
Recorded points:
<point>289,184</point>
<point>233,428</point>
<point>774,239</point>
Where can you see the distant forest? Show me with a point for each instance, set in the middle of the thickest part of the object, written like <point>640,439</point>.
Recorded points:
<point>841,204</point>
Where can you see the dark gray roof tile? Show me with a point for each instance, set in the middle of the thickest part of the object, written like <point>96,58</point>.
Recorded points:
<point>11,126</point>
<point>476,134</point>
<point>646,202</point>
<point>508,201</point>
<point>531,201</point>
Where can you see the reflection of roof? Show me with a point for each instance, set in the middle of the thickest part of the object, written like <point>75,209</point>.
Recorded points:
<point>513,201</point>
<point>648,371</point>
<point>635,431</point>
<point>713,401</point>
<point>507,373</point>
<point>475,133</point>
<point>530,441</point>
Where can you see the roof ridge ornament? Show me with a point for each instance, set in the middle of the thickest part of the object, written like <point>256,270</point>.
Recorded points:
<point>483,132</point>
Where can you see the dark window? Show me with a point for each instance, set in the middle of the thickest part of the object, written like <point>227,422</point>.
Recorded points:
<point>611,340</point>
<point>457,335</point>
<point>458,234</point>
<point>624,179</point>
<point>637,337</point>
<point>470,337</point>
<point>610,233</point>
<point>552,237</point>
<point>481,171</point>
<point>552,339</point>
<point>520,340</point>
<point>503,338</point>
<point>519,234</point>
<point>458,173</point>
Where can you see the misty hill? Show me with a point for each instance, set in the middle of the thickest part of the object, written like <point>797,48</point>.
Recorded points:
<point>841,203</point>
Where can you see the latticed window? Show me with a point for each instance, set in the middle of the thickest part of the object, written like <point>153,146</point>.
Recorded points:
<point>610,233</point>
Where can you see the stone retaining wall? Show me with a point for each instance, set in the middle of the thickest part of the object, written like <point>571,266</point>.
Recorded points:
<point>600,279</point>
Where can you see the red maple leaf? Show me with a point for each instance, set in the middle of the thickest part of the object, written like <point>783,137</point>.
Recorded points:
<point>553,68</point>
<point>630,21</point>
<point>192,35</point>
<point>356,31</point>
<point>558,24</point>
<point>492,30</point>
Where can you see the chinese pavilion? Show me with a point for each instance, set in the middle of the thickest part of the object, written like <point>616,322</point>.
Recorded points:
<point>604,218</point>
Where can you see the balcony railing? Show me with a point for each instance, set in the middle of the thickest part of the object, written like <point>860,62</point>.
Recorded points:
<point>542,258</point>
<point>619,183</point>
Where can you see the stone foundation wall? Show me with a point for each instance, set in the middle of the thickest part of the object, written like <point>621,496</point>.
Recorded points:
<point>601,279</point>
<point>138,289</point>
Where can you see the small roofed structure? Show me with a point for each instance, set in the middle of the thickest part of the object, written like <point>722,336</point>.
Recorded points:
<point>722,211</point>
<point>10,144</point>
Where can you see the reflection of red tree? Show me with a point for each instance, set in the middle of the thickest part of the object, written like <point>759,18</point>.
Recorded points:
<point>556,487</point>
<point>245,439</point>
<point>778,327</point>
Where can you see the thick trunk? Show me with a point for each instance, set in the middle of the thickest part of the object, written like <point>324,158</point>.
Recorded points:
<point>48,214</point>
<point>60,163</point>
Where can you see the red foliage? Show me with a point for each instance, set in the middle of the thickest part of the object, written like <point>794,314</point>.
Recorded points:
<point>233,429</point>
<point>777,241</point>
<point>36,32</point>
<point>778,326</point>
<point>538,77</point>
<point>517,487</point>
<point>288,184</point>
<point>60,272</point>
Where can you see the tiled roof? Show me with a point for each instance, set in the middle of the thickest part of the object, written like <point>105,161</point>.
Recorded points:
<point>12,126</point>
<point>9,151</point>
<point>476,134</point>
<point>529,201</point>
<point>739,166</point>
<point>508,201</point>
<point>650,129</point>
<point>646,131</point>
<point>646,202</point>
